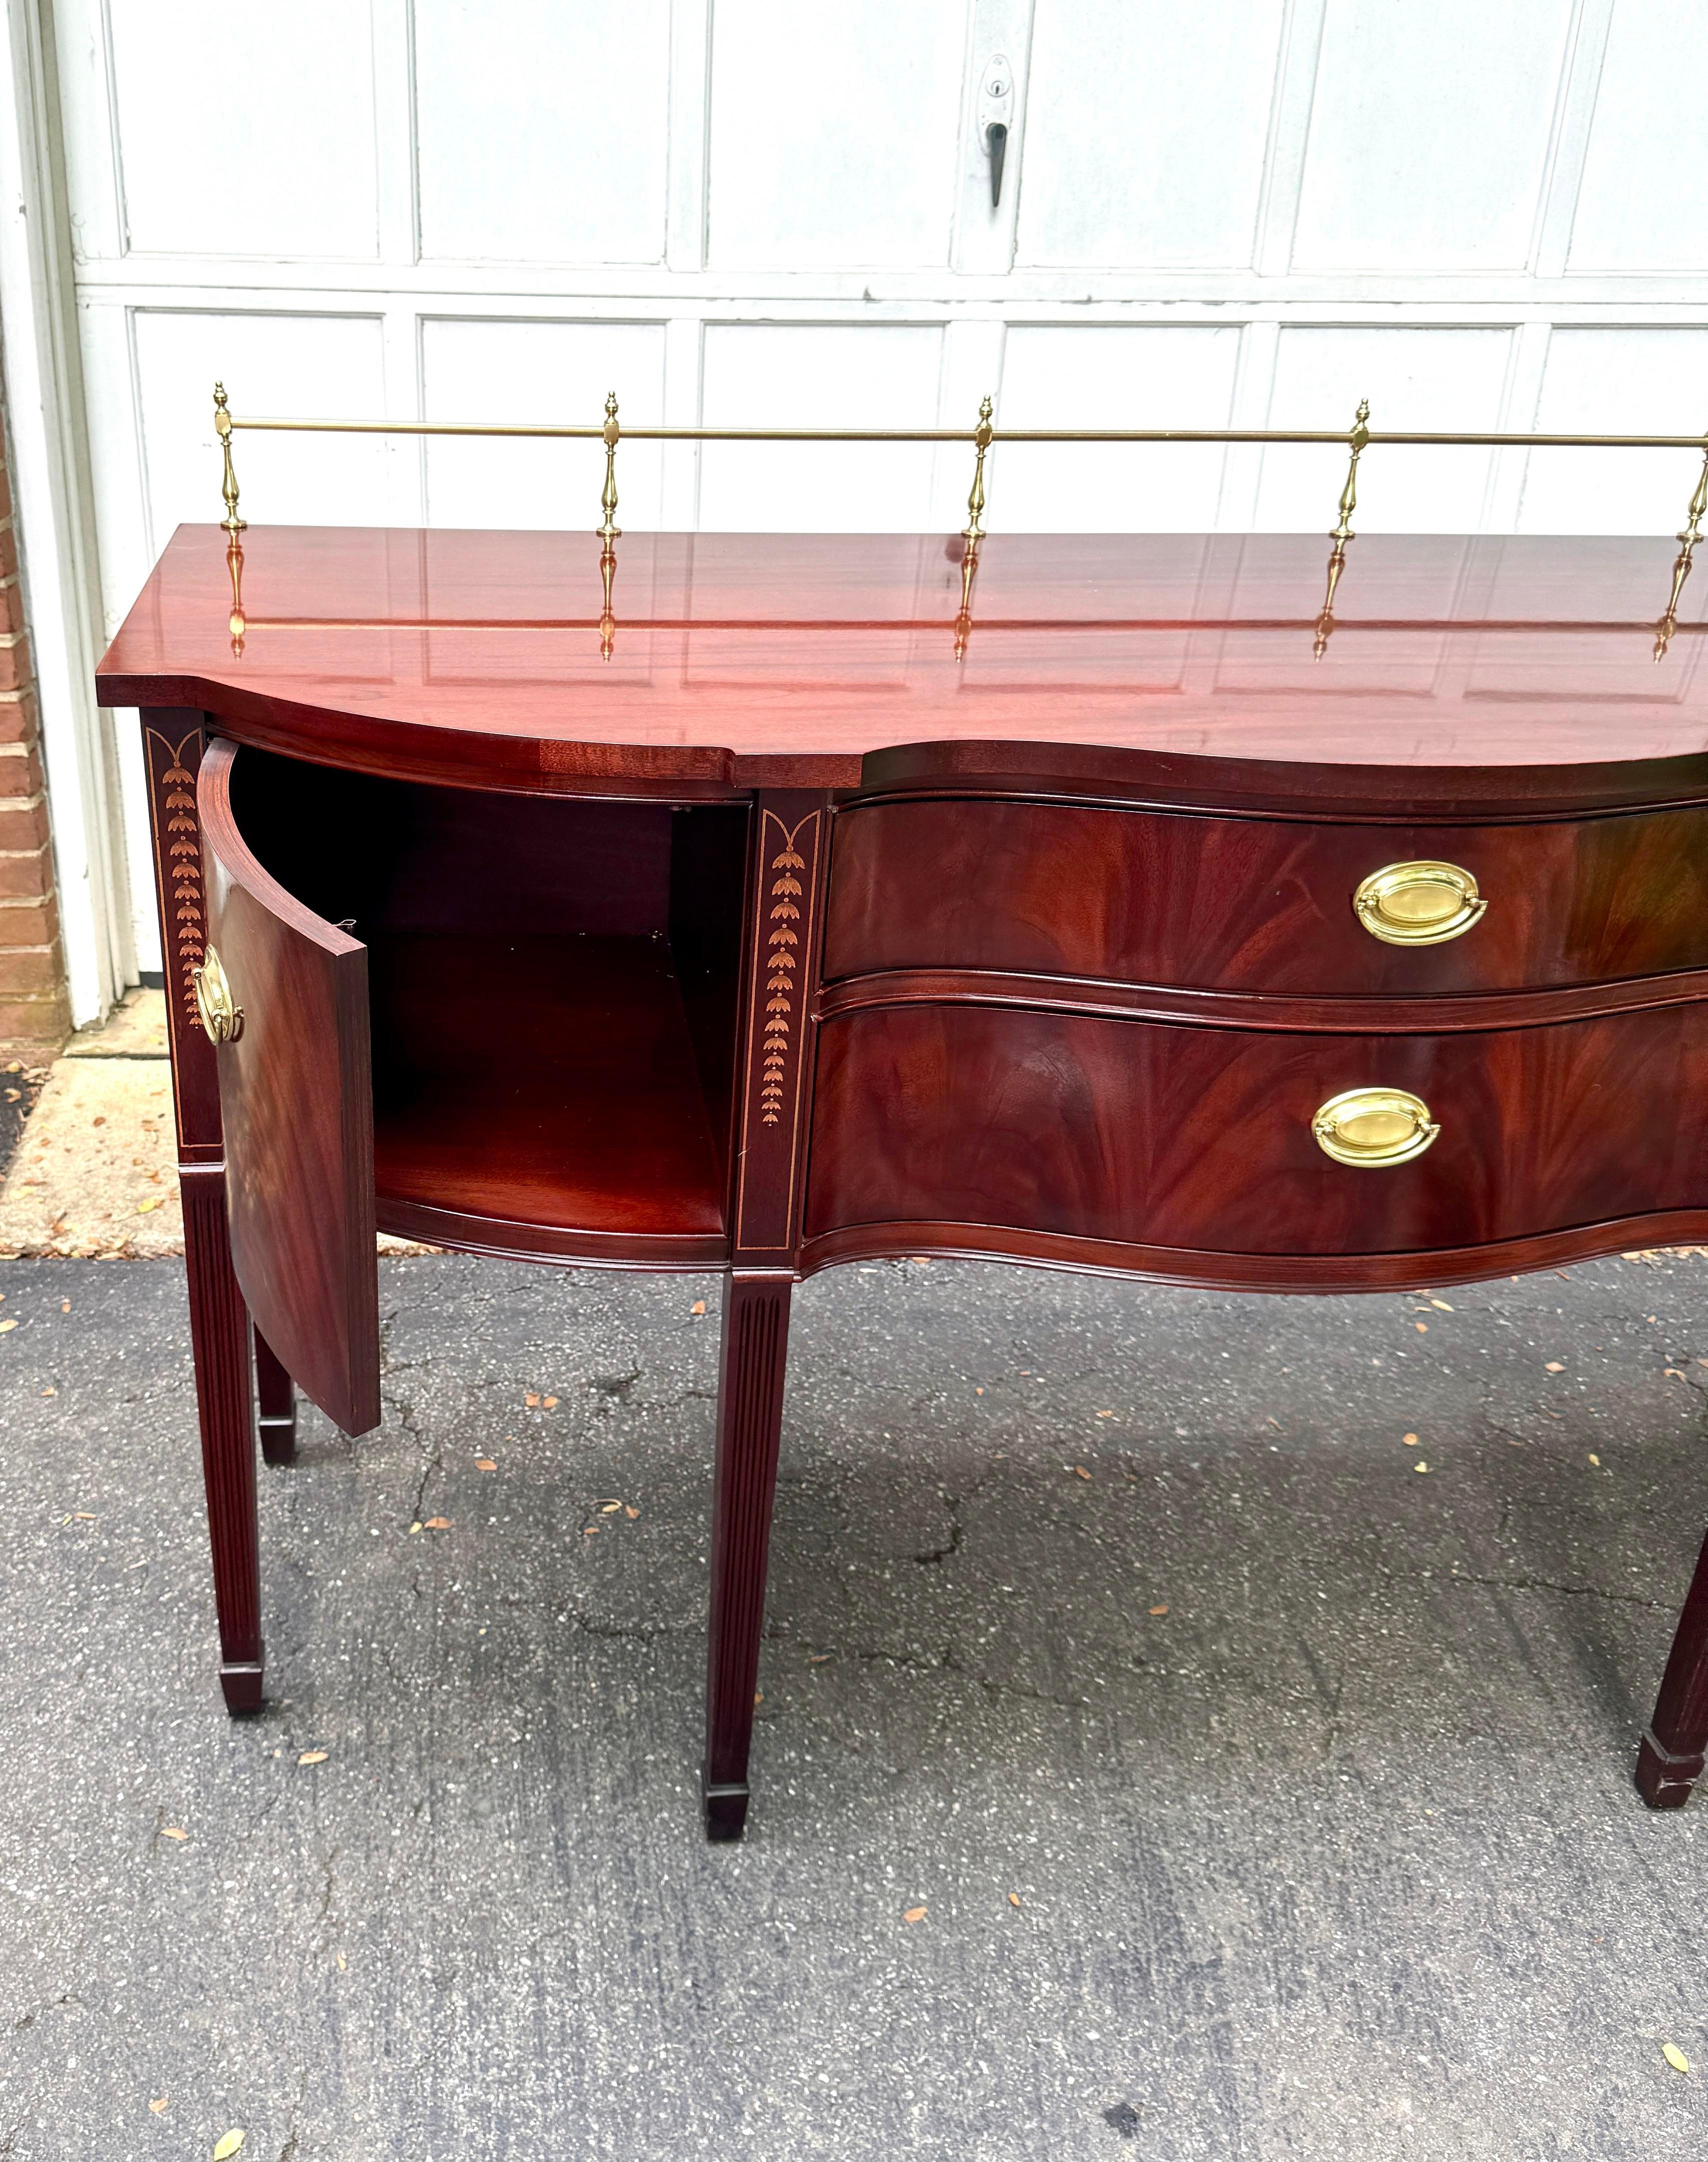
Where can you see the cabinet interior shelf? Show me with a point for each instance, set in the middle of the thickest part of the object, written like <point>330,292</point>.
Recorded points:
<point>545,1079</point>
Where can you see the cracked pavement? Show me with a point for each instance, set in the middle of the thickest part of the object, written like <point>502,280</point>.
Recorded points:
<point>1267,1795</point>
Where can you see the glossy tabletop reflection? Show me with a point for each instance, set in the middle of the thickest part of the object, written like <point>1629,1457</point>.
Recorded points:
<point>746,657</point>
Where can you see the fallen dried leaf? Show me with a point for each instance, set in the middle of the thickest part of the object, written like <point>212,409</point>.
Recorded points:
<point>229,2144</point>
<point>341,1963</point>
<point>173,1831</point>
<point>1594,1460</point>
<point>143,1209</point>
<point>1105,1415</point>
<point>1409,1440</point>
<point>1421,1328</point>
<point>1014,1899</point>
<point>549,1402</point>
<point>914,1914</point>
<point>158,2103</point>
<point>64,1306</point>
<point>1081,1471</point>
<point>5,1325</point>
<point>1554,1366</point>
<point>816,1659</point>
<point>630,1511</point>
<point>1675,2056</point>
<point>1674,1372</point>
<point>414,1527</point>
<point>1420,1467</point>
<point>436,1524</point>
<point>1440,1305</point>
<point>610,1508</point>
<point>1159,1609</point>
<point>587,1530</point>
<point>531,1399</point>
<point>698,1307</point>
<point>484,1464</point>
<point>759,1696</point>
<point>314,1757</point>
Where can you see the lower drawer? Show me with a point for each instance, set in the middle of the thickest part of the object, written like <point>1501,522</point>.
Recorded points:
<point>1204,1138</point>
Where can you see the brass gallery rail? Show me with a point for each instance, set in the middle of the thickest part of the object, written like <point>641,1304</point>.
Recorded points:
<point>983,438</point>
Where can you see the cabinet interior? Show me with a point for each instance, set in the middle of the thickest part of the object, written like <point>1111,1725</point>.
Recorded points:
<point>552,987</point>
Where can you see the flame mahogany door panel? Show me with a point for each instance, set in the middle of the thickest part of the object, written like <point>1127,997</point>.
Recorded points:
<point>296,1100</point>
<point>1200,1138</point>
<point>1256,904</point>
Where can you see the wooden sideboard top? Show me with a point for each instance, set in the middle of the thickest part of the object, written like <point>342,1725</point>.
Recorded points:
<point>742,660</point>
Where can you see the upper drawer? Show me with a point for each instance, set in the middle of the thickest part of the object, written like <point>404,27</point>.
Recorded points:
<point>1261,905</point>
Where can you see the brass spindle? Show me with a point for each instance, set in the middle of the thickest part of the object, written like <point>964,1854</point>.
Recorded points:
<point>1343,532</point>
<point>229,486</point>
<point>609,532</point>
<point>1681,567</point>
<point>972,533</point>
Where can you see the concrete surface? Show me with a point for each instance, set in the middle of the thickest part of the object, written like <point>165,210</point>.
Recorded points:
<point>1337,1856</point>
<point>90,1170</point>
<point>93,1171</point>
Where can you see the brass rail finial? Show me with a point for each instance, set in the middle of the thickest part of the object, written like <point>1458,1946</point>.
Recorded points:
<point>1681,567</point>
<point>610,530</point>
<point>229,486</point>
<point>609,533</point>
<point>972,530</point>
<point>1357,440</point>
<point>972,533</point>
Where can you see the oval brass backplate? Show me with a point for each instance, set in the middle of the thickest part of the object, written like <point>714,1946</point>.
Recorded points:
<point>1421,904</point>
<point>1374,1126</point>
<point>221,1016</point>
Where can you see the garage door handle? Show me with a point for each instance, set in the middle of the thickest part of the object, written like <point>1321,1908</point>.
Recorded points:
<point>996,142</point>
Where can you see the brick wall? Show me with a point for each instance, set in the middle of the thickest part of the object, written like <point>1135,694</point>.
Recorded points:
<point>34,1014</point>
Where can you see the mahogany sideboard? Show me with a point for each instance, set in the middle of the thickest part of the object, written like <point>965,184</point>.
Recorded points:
<point>1121,930</point>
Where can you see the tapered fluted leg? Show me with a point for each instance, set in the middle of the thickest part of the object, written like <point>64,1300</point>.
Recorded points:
<point>1675,1746</point>
<point>749,1420</point>
<point>219,1335</point>
<point>276,1395</point>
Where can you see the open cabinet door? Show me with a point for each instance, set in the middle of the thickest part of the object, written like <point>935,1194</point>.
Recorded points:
<point>296,1100</point>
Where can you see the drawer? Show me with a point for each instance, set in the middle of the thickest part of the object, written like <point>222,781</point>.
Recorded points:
<point>1262,905</point>
<point>1203,1138</point>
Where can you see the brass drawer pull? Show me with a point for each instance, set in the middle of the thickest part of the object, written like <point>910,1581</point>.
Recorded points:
<point>221,1016</point>
<point>1418,904</point>
<point>1374,1126</point>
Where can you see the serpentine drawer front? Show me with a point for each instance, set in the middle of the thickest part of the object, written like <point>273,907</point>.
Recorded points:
<point>758,903</point>
<point>1205,1138</point>
<point>1264,904</point>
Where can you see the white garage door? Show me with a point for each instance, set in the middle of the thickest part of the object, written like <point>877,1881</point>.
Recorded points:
<point>1238,211</point>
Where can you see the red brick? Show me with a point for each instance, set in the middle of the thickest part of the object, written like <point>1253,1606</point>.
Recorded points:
<point>31,922</point>
<point>20,774</point>
<point>27,875</point>
<point>5,492</point>
<point>18,716</point>
<point>15,667</point>
<point>24,825</point>
<point>30,969</point>
<point>27,1023</point>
